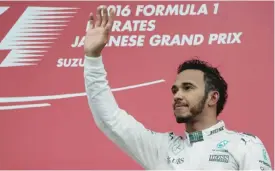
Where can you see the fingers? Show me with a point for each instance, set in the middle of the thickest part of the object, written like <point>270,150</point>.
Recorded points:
<point>110,20</point>
<point>98,17</point>
<point>104,16</point>
<point>91,20</point>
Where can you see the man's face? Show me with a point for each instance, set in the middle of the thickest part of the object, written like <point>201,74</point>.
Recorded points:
<point>189,95</point>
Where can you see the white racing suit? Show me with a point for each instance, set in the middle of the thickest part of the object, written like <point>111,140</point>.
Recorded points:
<point>213,148</point>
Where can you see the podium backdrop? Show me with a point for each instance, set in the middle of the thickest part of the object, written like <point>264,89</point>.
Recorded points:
<point>45,121</point>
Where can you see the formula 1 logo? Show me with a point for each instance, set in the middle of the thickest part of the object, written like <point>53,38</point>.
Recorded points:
<point>33,33</point>
<point>26,43</point>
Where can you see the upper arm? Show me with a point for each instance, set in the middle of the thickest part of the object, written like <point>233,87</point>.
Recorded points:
<point>123,129</point>
<point>255,156</point>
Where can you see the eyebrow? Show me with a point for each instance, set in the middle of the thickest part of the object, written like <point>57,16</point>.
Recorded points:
<point>184,84</point>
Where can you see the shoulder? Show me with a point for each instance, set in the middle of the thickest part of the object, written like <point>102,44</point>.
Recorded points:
<point>171,137</point>
<point>168,136</point>
<point>247,144</point>
<point>249,138</point>
<point>244,138</point>
<point>253,149</point>
<point>250,143</point>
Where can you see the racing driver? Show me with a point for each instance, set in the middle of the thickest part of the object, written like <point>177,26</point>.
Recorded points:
<point>199,97</point>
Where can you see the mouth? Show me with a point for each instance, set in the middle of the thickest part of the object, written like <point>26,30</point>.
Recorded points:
<point>180,106</point>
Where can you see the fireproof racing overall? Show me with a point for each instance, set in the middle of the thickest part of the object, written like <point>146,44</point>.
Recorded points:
<point>212,148</point>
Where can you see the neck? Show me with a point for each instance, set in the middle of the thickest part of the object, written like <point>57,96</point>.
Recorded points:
<point>200,123</point>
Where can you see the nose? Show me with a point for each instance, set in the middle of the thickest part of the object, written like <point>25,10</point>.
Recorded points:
<point>178,96</point>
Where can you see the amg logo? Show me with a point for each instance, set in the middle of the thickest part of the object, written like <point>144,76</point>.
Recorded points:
<point>219,158</point>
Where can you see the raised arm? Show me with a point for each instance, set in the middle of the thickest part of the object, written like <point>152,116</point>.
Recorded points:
<point>130,135</point>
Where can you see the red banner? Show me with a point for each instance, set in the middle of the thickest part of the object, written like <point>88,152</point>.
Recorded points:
<point>45,121</point>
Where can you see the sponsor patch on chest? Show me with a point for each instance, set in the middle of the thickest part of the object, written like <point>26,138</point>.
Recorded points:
<point>219,158</point>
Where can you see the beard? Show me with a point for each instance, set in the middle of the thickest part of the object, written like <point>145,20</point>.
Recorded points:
<point>194,111</point>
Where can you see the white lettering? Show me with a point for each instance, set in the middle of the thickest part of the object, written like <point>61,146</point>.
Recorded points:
<point>88,26</point>
<point>120,10</point>
<point>78,41</point>
<point>117,41</point>
<point>165,10</point>
<point>176,40</point>
<point>225,38</point>
<point>216,7</point>
<point>126,41</point>
<point>134,25</point>
<point>70,62</point>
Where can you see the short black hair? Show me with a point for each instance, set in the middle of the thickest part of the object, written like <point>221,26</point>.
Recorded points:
<point>212,78</point>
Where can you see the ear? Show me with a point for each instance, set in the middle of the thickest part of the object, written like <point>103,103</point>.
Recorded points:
<point>213,98</point>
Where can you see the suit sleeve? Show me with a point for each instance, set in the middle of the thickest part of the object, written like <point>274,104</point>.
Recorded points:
<point>255,155</point>
<point>123,129</point>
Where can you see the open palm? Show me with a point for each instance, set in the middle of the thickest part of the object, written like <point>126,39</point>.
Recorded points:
<point>97,35</point>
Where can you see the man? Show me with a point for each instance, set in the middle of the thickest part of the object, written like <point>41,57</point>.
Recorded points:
<point>199,97</point>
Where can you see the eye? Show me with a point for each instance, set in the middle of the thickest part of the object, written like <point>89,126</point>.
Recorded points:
<point>187,87</point>
<point>174,90</point>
